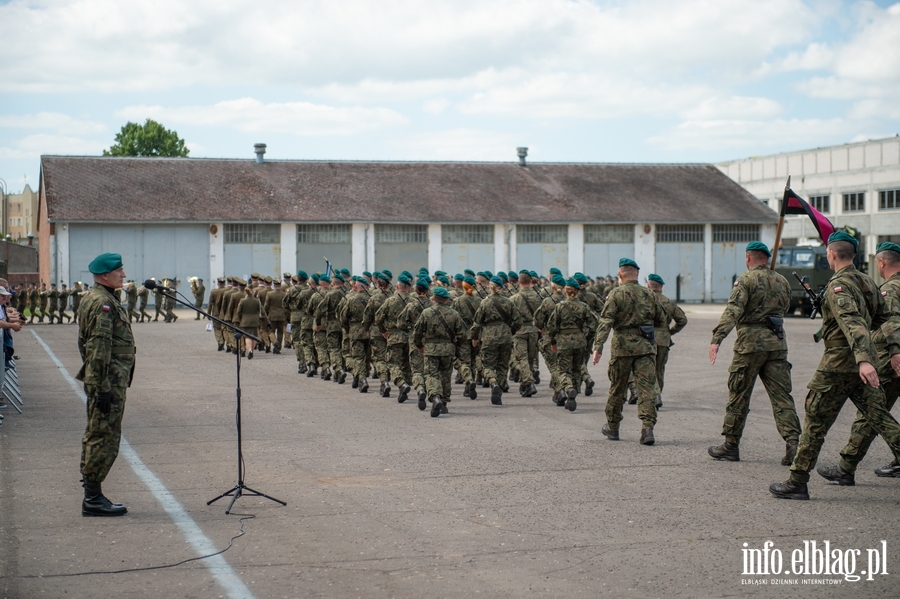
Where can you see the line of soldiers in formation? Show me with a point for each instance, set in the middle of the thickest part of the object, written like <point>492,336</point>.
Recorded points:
<point>413,332</point>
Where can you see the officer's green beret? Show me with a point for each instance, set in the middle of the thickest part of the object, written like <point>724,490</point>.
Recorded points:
<point>844,236</point>
<point>324,279</point>
<point>345,272</point>
<point>887,246</point>
<point>405,280</point>
<point>533,274</point>
<point>469,272</point>
<point>366,273</point>
<point>362,281</point>
<point>390,274</point>
<point>573,283</point>
<point>580,277</point>
<point>458,277</point>
<point>524,272</point>
<point>423,271</point>
<point>440,272</point>
<point>502,275</point>
<point>758,246</point>
<point>488,274</point>
<point>105,263</point>
<point>628,262</point>
<point>470,280</point>
<point>384,277</point>
<point>301,274</point>
<point>559,280</point>
<point>480,273</point>
<point>441,292</point>
<point>656,279</point>
<point>423,283</point>
<point>513,275</point>
<point>314,277</point>
<point>443,279</point>
<point>497,280</point>
<point>555,271</point>
<point>337,275</point>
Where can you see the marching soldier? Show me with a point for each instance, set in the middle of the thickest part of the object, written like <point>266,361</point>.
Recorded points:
<point>131,296</point>
<point>495,322</point>
<point>436,333</point>
<point>158,301</point>
<point>571,322</point>
<point>377,342</point>
<point>199,291</point>
<point>525,341</point>
<point>353,322</point>
<point>675,315</point>
<point>261,290</point>
<point>327,321</point>
<point>143,298</point>
<point>170,302</point>
<point>76,293</point>
<point>64,294</point>
<point>386,319</point>
<point>249,315</point>
<point>52,303</point>
<point>214,306</point>
<point>274,307</point>
<point>33,300</point>
<point>541,316</point>
<point>414,308</point>
<point>466,305</point>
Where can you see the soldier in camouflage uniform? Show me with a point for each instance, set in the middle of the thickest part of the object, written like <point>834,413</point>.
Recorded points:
<point>568,327</point>
<point>494,324</point>
<point>852,307</point>
<point>675,315</point>
<point>143,298</point>
<point>555,295</point>
<point>199,291</point>
<point>525,341</point>
<point>887,261</point>
<point>52,302</point>
<point>414,307</point>
<point>320,334</point>
<point>131,300</point>
<point>631,312</point>
<point>107,349</point>
<point>595,303</point>
<point>386,319</point>
<point>757,304</point>
<point>295,301</point>
<point>436,334</point>
<point>33,300</point>
<point>158,302</point>
<point>327,320</point>
<point>466,305</point>
<point>377,342</point>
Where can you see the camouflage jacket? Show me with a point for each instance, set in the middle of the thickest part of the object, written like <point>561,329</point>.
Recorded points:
<point>131,294</point>
<point>628,306</point>
<point>673,314</point>
<point>594,302</point>
<point>431,330</point>
<point>890,291</point>
<point>526,302</point>
<point>376,300</point>
<point>852,308</point>
<point>105,342</point>
<point>143,295</point>
<point>570,323</point>
<point>387,316</point>
<point>757,294</point>
<point>326,311</point>
<point>542,314</point>
<point>495,320</point>
<point>353,316</point>
<point>466,305</point>
<point>317,297</point>
<point>414,308</point>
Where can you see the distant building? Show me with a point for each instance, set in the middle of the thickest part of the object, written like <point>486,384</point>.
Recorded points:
<point>207,217</point>
<point>20,211</point>
<point>856,185</point>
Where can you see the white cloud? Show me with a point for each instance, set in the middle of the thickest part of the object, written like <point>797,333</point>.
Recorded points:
<point>732,107</point>
<point>251,116</point>
<point>61,123</point>
<point>459,144</point>
<point>737,134</point>
<point>33,146</point>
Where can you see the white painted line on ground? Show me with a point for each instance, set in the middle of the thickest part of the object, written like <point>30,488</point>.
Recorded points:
<point>202,545</point>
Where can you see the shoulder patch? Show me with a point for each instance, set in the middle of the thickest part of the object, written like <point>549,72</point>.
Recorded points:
<point>105,307</point>
<point>838,289</point>
<point>735,284</point>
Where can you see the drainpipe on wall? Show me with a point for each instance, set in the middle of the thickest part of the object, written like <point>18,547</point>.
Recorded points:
<point>366,248</point>
<point>509,246</point>
<point>53,257</point>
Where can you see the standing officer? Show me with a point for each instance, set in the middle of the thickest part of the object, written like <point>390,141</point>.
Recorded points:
<point>664,334</point>
<point>107,349</point>
<point>887,260</point>
<point>756,306</point>
<point>436,334</point>
<point>631,312</point>
<point>851,307</point>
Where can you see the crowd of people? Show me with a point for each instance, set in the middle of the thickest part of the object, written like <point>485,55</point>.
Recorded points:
<point>11,320</point>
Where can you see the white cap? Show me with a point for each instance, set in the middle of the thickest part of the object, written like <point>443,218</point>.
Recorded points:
<point>3,291</point>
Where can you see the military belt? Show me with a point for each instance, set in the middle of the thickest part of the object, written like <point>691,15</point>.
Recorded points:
<point>438,340</point>
<point>123,350</point>
<point>569,330</point>
<point>835,343</point>
<point>493,322</point>
<point>628,331</point>
<point>744,325</point>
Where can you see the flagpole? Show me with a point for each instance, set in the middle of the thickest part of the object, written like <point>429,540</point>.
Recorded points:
<point>784,200</point>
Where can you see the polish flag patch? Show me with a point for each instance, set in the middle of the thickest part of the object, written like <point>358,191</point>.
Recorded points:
<point>838,289</point>
<point>105,308</point>
<point>735,284</point>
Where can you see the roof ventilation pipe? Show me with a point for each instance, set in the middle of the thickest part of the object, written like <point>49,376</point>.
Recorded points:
<point>260,149</point>
<point>522,152</point>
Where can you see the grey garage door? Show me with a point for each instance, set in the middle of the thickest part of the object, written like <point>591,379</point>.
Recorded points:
<point>679,252</point>
<point>467,246</point>
<point>542,247</point>
<point>316,242</point>
<point>159,251</point>
<point>401,247</point>
<point>604,246</point>
<point>728,253</point>
<point>252,248</point>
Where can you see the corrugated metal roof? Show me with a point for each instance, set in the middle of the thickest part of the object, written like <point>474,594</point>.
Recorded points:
<point>107,189</point>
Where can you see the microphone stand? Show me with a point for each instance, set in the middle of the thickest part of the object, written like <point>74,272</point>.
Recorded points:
<point>240,488</point>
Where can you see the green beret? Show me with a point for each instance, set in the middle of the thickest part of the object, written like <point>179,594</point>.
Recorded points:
<point>440,272</point>
<point>366,273</point>
<point>423,271</point>
<point>555,271</point>
<point>580,277</point>
<point>324,279</point>
<point>533,274</point>
<point>362,281</point>
<point>502,275</point>
<point>887,246</point>
<point>389,273</point>
<point>423,283</point>
<point>405,280</point>
<point>656,279</point>
<point>314,277</point>
<point>441,292</point>
<point>470,280</point>
<point>559,280</point>
<point>758,246</point>
<point>345,272</point>
<point>513,275</point>
<point>443,279</point>
<point>524,272</point>
<point>497,280</point>
<point>337,275</point>
<point>628,262</point>
<point>844,236</point>
<point>384,277</point>
<point>105,263</point>
<point>458,277</point>
<point>469,272</point>
<point>301,274</point>
<point>573,283</point>
<point>488,274</point>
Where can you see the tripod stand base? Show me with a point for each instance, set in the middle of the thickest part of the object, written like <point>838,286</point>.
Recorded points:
<point>239,490</point>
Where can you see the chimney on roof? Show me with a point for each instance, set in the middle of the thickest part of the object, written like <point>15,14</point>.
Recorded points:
<point>522,152</point>
<point>260,149</point>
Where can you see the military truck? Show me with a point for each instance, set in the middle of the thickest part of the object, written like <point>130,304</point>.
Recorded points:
<point>811,264</point>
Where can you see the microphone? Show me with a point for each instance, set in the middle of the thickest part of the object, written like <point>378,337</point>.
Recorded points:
<point>151,285</point>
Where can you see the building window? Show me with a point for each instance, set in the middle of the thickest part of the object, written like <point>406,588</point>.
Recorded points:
<point>467,233</point>
<point>542,233</point>
<point>401,233</point>
<point>609,233</point>
<point>821,203</point>
<point>735,233</point>
<point>245,233</point>
<point>323,233</point>
<point>679,233</point>
<point>889,199</point>
<point>855,202</point>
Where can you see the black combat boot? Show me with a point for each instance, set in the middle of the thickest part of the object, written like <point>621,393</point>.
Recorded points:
<point>473,393</point>
<point>790,450</point>
<point>612,435</point>
<point>311,371</point>
<point>789,490</point>
<point>364,386</point>
<point>343,378</point>
<point>387,389</point>
<point>892,470</point>
<point>436,405</point>
<point>355,383</point>
<point>658,401</point>
<point>221,346</point>
<point>571,393</point>
<point>838,475</point>
<point>302,368</point>
<point>726,451</point>
<point>95,504</point>
<point>647,437</point>
<point>496,394</point>
<point>589,387</point>
<point>536,374</point>
<point>422,405</point>
<point>403,393</point>
<point>530,390</point>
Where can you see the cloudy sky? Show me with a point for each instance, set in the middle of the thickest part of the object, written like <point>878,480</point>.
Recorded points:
<point>574,80</point>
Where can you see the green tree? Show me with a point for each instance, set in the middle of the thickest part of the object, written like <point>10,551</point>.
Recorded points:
<point>149,139</point>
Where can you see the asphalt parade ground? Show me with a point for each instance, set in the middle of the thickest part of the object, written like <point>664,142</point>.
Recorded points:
<point>523,500</point>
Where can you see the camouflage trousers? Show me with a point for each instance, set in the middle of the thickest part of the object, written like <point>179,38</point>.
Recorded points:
<point>159,309</point>
<point>662,357</point>
<point>551,360</point>
<point>861,434</point>
<point>334,343</point>
<point>571,368</point>
<point>62,314</point>
<point>320,342</point>
<point>525,352</point>
<point>297,343</point>
<point>34,312</point>
<point>346,354</point>
<point>774,371</point>
<point>100,443</point>
<point>437,376</point>
<point>143,312</point>
<point>359,358</point>
<point>827,393</point>
<point>416,367</point>
<point>51,313</point>
<point>466,362</point>
<point>495,359</point>
<point>398,363</point>
<point>378,352</point>
<point>644,370</point>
